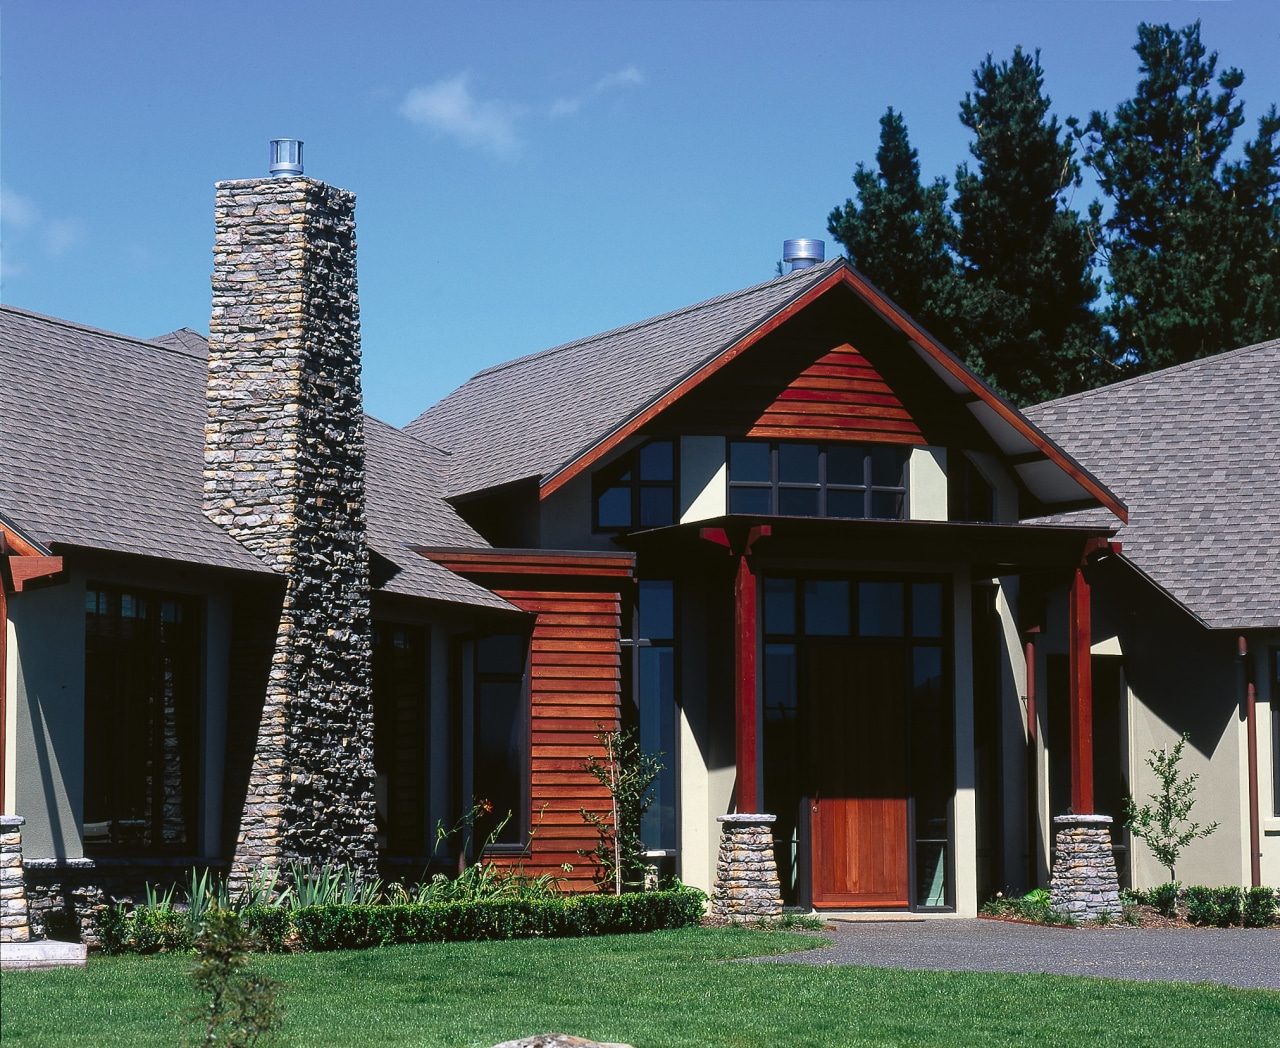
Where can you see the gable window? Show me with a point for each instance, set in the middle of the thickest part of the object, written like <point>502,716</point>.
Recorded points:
<point>141,704</point>
<point>639,490</point>
<point>498,765</point>
<point>849,481</point>
<point>972,498</point>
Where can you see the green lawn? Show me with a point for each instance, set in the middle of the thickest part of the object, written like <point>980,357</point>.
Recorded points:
<point>663,989</point>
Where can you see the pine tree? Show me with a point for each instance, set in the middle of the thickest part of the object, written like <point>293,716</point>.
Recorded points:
<point>899,232</point>
<point>1027,285</point>
<point>1192,240</point>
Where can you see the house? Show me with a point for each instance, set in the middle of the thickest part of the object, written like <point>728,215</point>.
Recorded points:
<point>783,532</point>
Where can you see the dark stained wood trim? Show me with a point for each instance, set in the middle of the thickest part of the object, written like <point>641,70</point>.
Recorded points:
<point>25,570</point>
<point>558,563</point>
<point>1080,662</point>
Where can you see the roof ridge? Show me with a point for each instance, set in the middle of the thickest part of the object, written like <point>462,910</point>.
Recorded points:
<point>639,325</point>
<point>1186,365</point>
<point>74,326</point>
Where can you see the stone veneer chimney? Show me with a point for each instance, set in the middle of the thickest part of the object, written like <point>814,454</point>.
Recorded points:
<point>284,474</point>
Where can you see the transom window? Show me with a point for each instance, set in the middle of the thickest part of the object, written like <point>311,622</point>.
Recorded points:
<point>817,480</point>
<point>639,490</point>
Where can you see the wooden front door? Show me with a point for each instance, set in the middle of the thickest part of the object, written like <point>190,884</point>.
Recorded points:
<point>857,728</point>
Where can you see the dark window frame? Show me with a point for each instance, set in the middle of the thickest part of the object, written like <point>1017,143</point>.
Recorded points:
<point>520,819</point>
<point>612,478</point>
<point>390,830</point>
<point>631,642</point>
<point>188,646</point>
<point>776,485</point>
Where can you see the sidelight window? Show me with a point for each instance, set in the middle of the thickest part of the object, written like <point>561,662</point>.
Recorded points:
<point>500,739</point>
<point>817,480</point>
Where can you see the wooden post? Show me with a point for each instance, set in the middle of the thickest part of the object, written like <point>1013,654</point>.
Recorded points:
<point>745,686</point>
<point>1080,643</point>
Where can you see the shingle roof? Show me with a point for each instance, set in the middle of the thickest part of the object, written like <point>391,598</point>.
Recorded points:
<point>101,445</point>
<point>1195,452</point>
<point>498,428</point>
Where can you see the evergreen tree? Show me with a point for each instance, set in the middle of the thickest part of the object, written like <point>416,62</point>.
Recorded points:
<point>1027,284</point>
<point>1192,240</point>
<point>899,232</point>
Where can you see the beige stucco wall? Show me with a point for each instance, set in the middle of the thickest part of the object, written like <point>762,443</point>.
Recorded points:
<point>927,484</point>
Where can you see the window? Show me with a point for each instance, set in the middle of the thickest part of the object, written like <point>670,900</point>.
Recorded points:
<point>649,702</point>
<point>400,735</point>
<point>141,703</point>
<point>1275,732</point>
<point>817,480</point>
<point>499,743</point>
<point>639,490</point>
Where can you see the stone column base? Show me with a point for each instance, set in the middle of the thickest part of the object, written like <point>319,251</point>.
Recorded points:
<point>746,885</point>
<point>1084,882</point>
<point>15,915</point>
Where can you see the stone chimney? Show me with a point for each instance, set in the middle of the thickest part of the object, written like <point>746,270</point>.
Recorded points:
<point>284,474</point>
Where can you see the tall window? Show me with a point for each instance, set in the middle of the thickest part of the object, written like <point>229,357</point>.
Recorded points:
<point>400,734</point>
<point>639,490</point>
<point>1275,732</point>
<point>501,730</point>
<point>649,702</point>
<point>817,480</point>
<point>142,656</point>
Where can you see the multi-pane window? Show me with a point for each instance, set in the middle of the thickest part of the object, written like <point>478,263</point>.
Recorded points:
<point>649,702</point>
<point>639,490</point>
<point>141,702</point>
<point>817,480</point>
<point>498,765</point>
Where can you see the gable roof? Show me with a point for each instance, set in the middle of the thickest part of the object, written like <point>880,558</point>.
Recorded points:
<point>101,446</point>
<point>550,415</point>
<point>1195,451</point>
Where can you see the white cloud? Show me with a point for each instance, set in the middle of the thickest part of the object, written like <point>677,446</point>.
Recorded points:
<point>16,210</point>
<point>627,76</point>
<point>448,107</point>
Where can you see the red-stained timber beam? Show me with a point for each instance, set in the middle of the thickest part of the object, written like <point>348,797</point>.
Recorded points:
<point>1081,684</point>
<point>1251,736</point>
<point>745,675</point>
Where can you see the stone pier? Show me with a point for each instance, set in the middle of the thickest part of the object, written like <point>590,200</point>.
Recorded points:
<point>746,886</point>
<point>15,918</point>
<point>1084,882</point>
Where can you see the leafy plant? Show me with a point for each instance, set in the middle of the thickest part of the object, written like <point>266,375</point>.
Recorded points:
<point>628,773</point>
<point>329,885</point>
<point>1164,825</point>
<point>1130,915</point>
<point>239,1007</point>
<point>1202,907</point>
<point>1164,897</point>
<point>1259,908</point>
<point>1230,904</point>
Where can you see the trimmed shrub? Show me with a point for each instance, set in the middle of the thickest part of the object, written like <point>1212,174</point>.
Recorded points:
<point>1202,905</point>
<point>1164,897</point>
<point>144,929</point>
<point>266,927</point>
<point>1259,908</point>
<point>1228,900</point>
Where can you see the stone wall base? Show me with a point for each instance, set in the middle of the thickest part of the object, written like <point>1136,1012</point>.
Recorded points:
<point>1084,882</point>
<point>746,885</point>
<point>15,918</point>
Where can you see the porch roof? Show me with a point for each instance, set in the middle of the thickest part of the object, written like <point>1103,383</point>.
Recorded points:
<point>991,549</point>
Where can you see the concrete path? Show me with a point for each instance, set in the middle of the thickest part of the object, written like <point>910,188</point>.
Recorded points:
<point>1247,957</point>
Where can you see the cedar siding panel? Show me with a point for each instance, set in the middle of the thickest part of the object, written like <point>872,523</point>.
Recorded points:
<point>574,688</point>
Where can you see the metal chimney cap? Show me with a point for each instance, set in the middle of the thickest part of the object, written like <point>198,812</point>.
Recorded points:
<point>286,156</point>
<point>803,252</point>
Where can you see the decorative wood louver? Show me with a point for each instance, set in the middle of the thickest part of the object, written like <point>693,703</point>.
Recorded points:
<point>838,397</point>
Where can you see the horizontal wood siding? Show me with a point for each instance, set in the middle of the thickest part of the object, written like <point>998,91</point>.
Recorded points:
<point>574,688</point>
<point>839,397</point>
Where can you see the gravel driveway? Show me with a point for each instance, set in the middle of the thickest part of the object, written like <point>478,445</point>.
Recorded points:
<point>1248,957</point>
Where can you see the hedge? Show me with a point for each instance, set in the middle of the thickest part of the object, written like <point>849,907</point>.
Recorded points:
<point>356,927</point>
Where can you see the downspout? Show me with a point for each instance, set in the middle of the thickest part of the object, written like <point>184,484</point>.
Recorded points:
<point>1033,762</point>
<point>1251,734</point>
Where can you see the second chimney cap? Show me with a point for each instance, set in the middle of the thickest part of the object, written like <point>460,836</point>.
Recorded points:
<point>286,156</point>
<point>803,252</point>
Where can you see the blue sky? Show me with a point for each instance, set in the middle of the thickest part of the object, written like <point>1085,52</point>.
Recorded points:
<point>527,173</point>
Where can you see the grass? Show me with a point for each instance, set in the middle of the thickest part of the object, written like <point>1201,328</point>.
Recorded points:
<point>651,991</point>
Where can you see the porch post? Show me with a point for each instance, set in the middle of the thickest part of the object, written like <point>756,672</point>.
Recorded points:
<point>1081,687</point>
<point>745,687</point>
